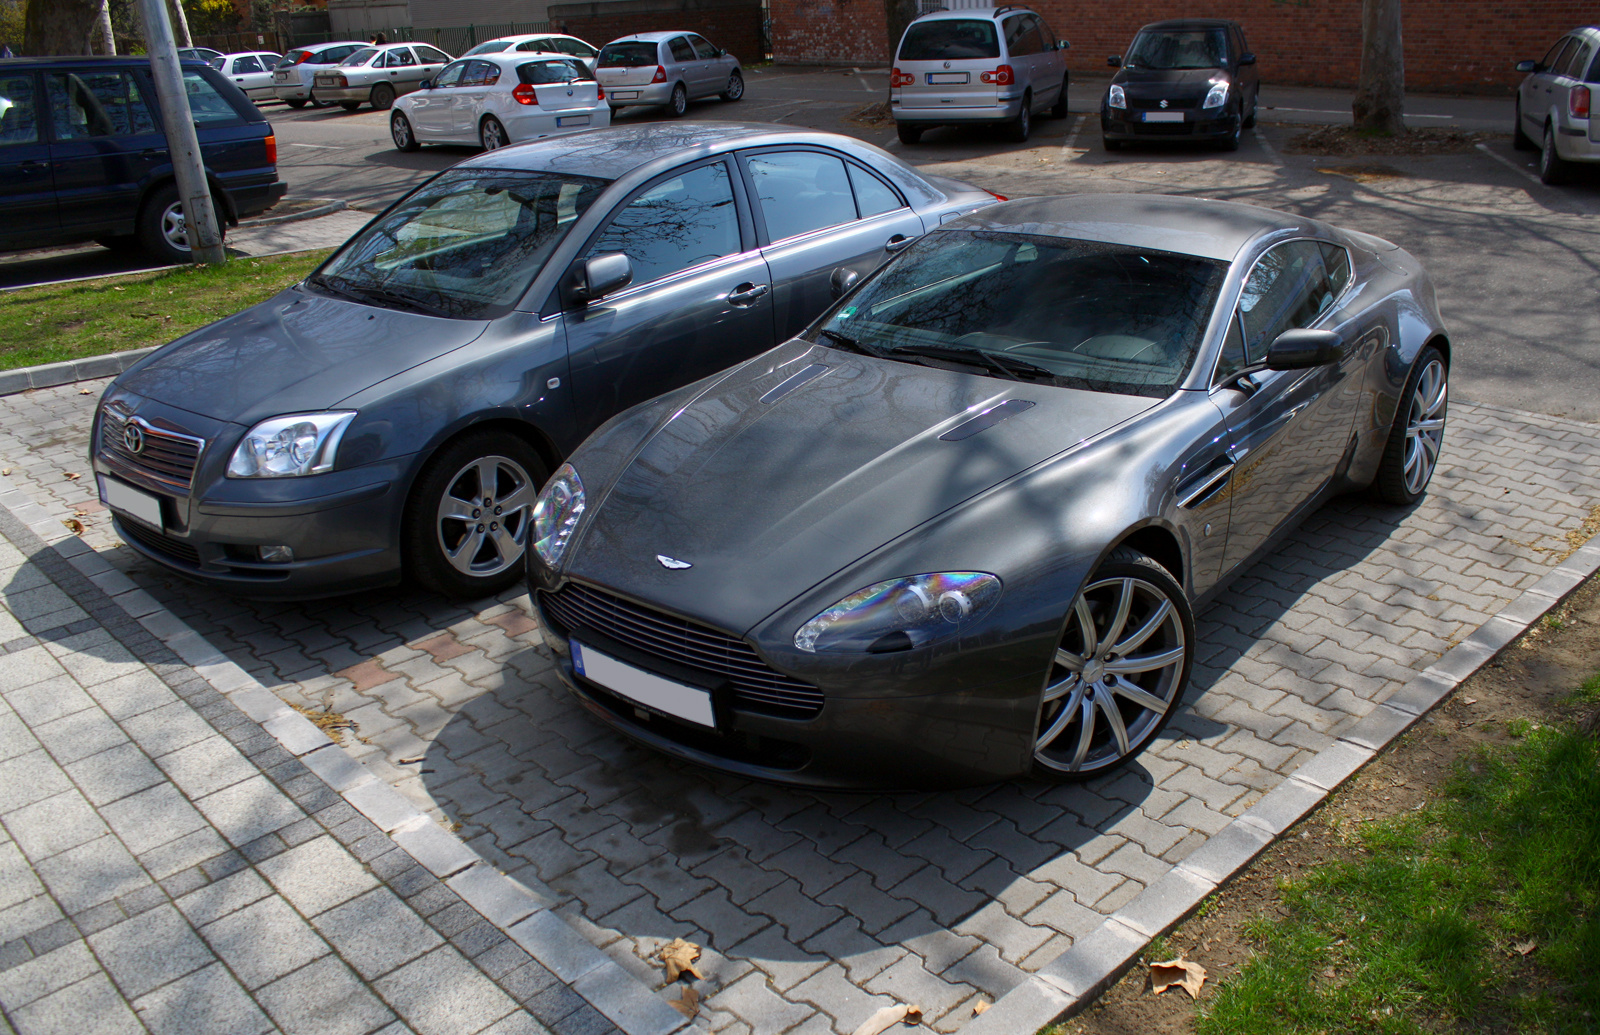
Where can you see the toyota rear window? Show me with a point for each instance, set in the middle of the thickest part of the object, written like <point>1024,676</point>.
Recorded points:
<point>950,38</point>
<point>627,55</point>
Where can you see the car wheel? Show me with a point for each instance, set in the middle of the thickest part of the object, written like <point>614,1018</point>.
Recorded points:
<point>350,105</point>
<point>1060,110</point>
<point>1520,141</point>
<point>1250,119</point>
<point>679,104</point>
<point>162,230</point>
<point>1020,128</point>
<point>1412,451</point>
<point>492,135</point>
<point>1552,167</point>
<point>296,104</point>
<point>1231,141</point>
<point>1120,671</point>
<point>1110,145</point>
<point>735,88</point>
<point>908,134</point>
<point>401,133</point>
<point>382,97</point>
<point>468,518</point>
<point>318,104</point>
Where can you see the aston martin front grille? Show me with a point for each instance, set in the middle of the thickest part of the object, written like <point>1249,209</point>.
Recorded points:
<point>756,685</point>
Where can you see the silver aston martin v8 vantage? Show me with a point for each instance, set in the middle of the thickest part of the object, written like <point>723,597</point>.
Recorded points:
<point>958,529</point>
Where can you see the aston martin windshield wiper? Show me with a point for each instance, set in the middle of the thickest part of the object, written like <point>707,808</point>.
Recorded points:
<point>851,344</point>
<point>1006,366</point>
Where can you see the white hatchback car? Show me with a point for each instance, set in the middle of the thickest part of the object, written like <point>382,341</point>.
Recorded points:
<point>540,43</point>
<point>990,65</point>
<point>499,99</point>
<point>251,71</point>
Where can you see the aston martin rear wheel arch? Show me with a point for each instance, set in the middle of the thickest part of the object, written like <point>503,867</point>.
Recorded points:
<point>1119,672</point>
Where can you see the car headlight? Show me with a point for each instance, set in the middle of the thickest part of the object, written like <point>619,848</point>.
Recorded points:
<point>286,447</point>
<point>901,613</point>
<point>556,515</point>
<point>1217,96</point>
<point>1117,98</point>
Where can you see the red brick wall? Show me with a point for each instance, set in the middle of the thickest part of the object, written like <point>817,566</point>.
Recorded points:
<point>1450,45</point>
<point>735,27</point>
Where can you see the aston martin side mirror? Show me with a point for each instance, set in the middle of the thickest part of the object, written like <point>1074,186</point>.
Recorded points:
<point>598,276</point>
<point>1115,61</point>
<point>844,278</point>
<point>1302,349</point>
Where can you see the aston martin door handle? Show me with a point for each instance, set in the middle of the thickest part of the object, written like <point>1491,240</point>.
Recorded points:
<point>746,294</point>
<point>897,242</point>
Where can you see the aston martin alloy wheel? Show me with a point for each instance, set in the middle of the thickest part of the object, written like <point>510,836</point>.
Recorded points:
<point>1119,672</point>
<point>468,521</point>
<point>1414,444</point>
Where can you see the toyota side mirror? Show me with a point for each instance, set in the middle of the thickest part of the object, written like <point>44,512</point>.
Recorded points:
<point>844,278</point>
<point>1247,59</point>
<point>598,276</point>
<point>1301,349</point>
<point>1115,61</point>
<point>1527,66</point>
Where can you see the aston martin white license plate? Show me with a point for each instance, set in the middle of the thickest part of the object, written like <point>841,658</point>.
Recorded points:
<point>125,499</point>
<point>646,688</point>
<point>1163,116</point>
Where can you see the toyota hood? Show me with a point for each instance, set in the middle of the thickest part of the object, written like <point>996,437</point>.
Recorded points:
<point>780,474</point>
<point>298,352</point>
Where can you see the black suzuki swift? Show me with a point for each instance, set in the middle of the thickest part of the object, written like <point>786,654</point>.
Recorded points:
<point>1184,79</point>
<point>83,156</point>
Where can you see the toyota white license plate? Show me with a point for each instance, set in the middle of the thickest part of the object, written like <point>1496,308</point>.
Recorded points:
<point>689,703</point>
<point>125,499</point>
<point>1163,116</point>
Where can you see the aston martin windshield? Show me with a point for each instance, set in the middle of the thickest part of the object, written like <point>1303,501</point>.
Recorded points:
<point>1171,50</point>
<point>1080,314</point>
<point>465,245</point>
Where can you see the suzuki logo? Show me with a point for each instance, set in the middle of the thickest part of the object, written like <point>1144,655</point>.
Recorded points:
<point>672,562</point>
<point>133,438</point>
<point>1163,104</point>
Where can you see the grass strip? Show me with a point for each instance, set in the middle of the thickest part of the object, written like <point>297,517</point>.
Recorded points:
<point>1479,911</point>
<point>58,322</point>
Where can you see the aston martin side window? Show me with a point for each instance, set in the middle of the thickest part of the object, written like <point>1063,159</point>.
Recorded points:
<point>1288,288</point>
<point>675,224</point>
<point>1337,262</point>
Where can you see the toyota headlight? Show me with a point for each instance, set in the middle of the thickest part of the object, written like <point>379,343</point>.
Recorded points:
<point>1117,99</point>
<point>286,447</point>
<point>901,613</point>
<point>1217,96</point>
<point>556,515</point>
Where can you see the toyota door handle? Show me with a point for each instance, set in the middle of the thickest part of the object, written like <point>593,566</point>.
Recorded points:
<point>745,294</point>
<point>897,242</point>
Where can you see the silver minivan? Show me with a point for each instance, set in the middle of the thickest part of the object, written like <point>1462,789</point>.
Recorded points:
<point>668,68</point>
<point>990,65</point>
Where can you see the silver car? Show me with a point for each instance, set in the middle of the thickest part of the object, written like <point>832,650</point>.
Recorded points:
<point>670,68</point>
<point>540,43</point>
<point>377,75</point>
<point>1553,105</point>
<point>994,65</point>
<point>291,80</point>
<point>250,71</point>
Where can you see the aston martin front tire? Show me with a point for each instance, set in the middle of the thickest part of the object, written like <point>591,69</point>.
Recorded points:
<point>1417,435</point>
<point>1119,672</point>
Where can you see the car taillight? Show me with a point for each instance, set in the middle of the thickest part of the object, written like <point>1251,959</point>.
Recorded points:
<point>524,94</point>
<point>601,90</point>
<point>1002,197</point>
<point>272,149</point>
<point>661,74</point>
<point>341,80</point>
<point>899,78</point>
<point>1578,102</point>
<point>301,59</point>
<point>1002,76</point>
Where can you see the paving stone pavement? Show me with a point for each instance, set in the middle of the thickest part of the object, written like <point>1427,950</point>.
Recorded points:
<point>816,909</point>
<point>166,866</point>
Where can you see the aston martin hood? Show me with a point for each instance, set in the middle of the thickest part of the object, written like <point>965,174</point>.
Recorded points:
<point>297,352</point>
<point>782,474</point>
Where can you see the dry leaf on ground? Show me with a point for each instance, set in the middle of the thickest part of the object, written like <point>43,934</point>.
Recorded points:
<point>86,391</point>
<point>75,525</point>
<point>1181,972</point>
<point>1524,948</point>
<point>689,1005</point>
<point>73,476</point>
<point>679,956</point>
<point>980,1006</point>
<point>5,471</point>
<point>889,1016</point>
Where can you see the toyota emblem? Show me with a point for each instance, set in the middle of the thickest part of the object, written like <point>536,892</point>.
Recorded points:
<point>133,438</point>
<point>1163,104</point>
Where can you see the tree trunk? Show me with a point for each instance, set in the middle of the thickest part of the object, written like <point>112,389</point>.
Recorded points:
<point>898,14</point>
<point>180,24</point>
<point>59,27</point>
<point>102,27</point>
<point>1380,95</point>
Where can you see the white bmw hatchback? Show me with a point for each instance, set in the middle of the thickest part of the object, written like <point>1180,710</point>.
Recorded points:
<point>499,99</point>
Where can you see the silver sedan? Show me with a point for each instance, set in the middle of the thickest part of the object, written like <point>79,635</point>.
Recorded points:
<point>670,68</point>
<point>377,75</point>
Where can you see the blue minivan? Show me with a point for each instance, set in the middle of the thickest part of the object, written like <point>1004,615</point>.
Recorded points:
<point>83,156</point>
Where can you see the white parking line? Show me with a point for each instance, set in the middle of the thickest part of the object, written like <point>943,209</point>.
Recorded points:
<point>1513,166</point>
<point>1271,151</point>
<point>1338,111</point>
<point>1072,138</point>
<point>320,147</point>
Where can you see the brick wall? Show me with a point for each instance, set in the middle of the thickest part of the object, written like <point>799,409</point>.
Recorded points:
<point>733,25</point>
<point>1450,45</point>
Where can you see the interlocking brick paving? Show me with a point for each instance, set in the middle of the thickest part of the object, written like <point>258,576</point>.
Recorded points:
<point>816,909</point>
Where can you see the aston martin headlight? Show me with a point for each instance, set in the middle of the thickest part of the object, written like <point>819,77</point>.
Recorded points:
<point>286,447</point>
<point>901,613</point>
<point>1217,96</point>
<point>1117,98</point>
<point>555,516</point>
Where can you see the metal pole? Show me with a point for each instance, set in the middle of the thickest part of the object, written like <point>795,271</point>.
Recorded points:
<point>183,144</point>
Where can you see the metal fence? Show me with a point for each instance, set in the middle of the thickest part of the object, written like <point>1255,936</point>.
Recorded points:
<point>454,39</point>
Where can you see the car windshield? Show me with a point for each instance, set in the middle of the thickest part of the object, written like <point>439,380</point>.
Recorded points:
<point>360,57</point>
<point>544,73</point>
<point>464,245</point>
<point>1081,314</point>
<point>492,47</point>
<point>943,39</point>
<point>1173,50</point>
<point>217,63</point>
<point>627,55</point>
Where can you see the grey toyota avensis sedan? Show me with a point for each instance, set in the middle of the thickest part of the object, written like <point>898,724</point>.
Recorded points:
<point>957,530</point>
<point>400,408</point>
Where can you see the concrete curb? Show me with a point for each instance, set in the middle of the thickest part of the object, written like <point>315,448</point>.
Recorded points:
<point>1069,982</point>
<point>328,207</point>
<point>522,913</point>
<point>49,375</point>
